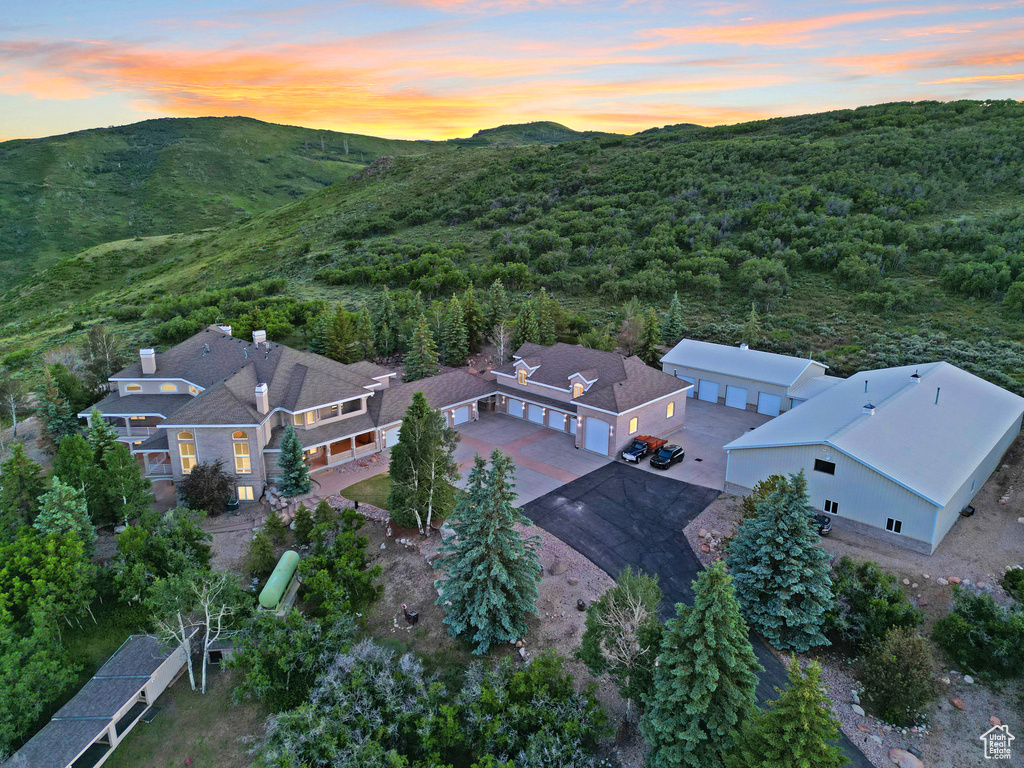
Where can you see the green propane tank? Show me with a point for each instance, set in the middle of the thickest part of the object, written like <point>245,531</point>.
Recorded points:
<point>280,579</point>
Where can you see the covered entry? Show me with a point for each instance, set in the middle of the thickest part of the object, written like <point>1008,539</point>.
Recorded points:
<point>736,397</point>
<point>595,435</point>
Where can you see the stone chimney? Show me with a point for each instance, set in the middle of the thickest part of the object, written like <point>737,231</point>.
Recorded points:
<point>262,399</point>
<point>148,359</point>
<point>225,328</point>
<point>259,337</point>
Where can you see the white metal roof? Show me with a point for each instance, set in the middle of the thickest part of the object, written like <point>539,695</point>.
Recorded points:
<point>814,386</point>
<point>928,447</point>
<point>741,362</point>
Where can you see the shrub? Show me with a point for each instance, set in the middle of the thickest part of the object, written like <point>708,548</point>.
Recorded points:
<point>982,636</point>
<point>260,559</point>
<point>869,602</point>
<point>207,487</point>
<point>897,676</point>
<point>303,522</point>
<point>1013,583</point>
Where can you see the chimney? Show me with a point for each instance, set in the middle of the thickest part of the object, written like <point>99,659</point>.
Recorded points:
<point>225,328</point>
<point>744,345</point>
<point>259,337</point>
<point>148,358</point>
<point>262,399</point>
<point>915,377</point>
<point>869,409</point>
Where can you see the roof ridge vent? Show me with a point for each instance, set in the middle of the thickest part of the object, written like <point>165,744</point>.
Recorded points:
<point>744,345</point>
<point>869,409</point>
<point>915,377</point>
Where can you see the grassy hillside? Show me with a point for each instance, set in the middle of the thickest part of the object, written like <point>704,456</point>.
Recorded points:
<point>541,132</point>
<point>61,194</point>
<point>878,236</point>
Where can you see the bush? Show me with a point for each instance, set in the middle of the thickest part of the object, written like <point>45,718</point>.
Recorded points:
<point>1013,583</point>
<point>897,676</point>
<point>207,487</point>
<point>260,559</point>
<point>869,602</point>
<point>982,636</point>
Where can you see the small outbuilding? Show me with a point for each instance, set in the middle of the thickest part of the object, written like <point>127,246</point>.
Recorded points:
<point>895,453</point>
<point>86,730</point>
<point>745,378</point>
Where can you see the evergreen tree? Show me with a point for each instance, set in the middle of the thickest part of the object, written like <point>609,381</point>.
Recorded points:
<point>73,461</point>
<point>795,731</point>
<point>705,679</point>
<point>623,635</point>
<point>672,329</point>
<point>324,515</point>
<point>781,571</point>
<point>321,327</point>
<point>260,559</point>
<point>423,470</point>
<point>129,492</point>
<point>303,524</point>
<point>55,413</point>
<point>547,332</point>
<point>386,331</point>
<point>341,344</point>
<point>454,337</point>
<point>753,332</point>
<point>650,337</point>
<point>491,570</point>
<point>21,485</point>
<point>291,462</point>
<point>101,435</point>
<point>275,527</point>
<point>525,329</point>
<point>476,321</point>
<point>421,361</point>
<point>63,509</point>
<point>364,349</point>
<point>497,305</point>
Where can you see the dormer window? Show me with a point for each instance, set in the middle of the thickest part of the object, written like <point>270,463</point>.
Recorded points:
<point>521,377</point>
<point>193,390</point>
<point>577,389</point>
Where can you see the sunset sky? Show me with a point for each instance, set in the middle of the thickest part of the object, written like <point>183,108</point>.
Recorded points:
<point>444,68</point>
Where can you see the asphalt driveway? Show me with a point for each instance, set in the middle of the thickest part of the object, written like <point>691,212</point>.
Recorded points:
<point>620,516</point>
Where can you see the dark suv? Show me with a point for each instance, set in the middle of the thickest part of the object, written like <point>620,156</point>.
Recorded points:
<point>666,456</point>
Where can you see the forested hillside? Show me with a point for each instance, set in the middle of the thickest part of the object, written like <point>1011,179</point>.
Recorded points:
<point>866,237</point>
<point>64,193</point>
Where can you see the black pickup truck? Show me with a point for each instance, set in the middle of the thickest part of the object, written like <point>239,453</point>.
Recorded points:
<point>639,448</point>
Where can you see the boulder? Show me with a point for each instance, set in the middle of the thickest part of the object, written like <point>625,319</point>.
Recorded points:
<point>858,710</point>
<point>572,581</point>
<point>942,582</point>
<point>906,582</point>
<point>702,532</point>
<point>863,728</point>
<point>995,721</point>
<point>446,532</point>
<point>954,579</point>
<point>968,679</point>
<point>558,567</point>
<point>705,548</point>
<point>904,759</point>
<point>958,704</point>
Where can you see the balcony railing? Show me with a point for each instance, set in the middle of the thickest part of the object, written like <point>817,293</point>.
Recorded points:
<point>158,469</point>
<point>135,431</point>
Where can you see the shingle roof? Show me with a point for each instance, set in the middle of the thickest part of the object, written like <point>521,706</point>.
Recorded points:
<point>57,744</point>
<point>389,405</point>
<point>754,364</point>
<point>372,370</point>
<point>533,396</point>
<point>139,405</point>
<point>155,442</point>
<point>929,448</point>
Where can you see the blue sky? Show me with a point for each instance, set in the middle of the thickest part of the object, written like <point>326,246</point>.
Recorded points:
<point>442,68</point>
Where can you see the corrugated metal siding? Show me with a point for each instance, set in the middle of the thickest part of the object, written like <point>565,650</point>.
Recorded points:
<point>863,495</point>
<point>752,386</point>
<point>726,360</point>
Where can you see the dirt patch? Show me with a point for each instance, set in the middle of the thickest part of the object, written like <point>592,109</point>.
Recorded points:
<point>29,436</point>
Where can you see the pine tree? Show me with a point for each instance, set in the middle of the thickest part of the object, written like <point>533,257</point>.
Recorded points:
<point>21,485</point>
<point>101,435</point>
<point>795,731</point>
<point>55,413</point>
<point>340,343</point>
<point>385,325</point>
<point>364,349</point>
<point>753,332</point>
<point>546,330</point>
<point>303,524</point>
<point>704,681</point>
<point>454,337</point>
<point>72,462</point>
<point>421,361</point>
<point>781,571</point>
<point>129,492</point>
<point>291,462</point>
<point>497,305</point>
<point>423,468</point>
<point>672,329</point>
<point>650,337</point>
<point>275,527</point>
<point>476,322</point>
<point>260,558</point>
<point>491,569</point>
<point>324,514</point>
<point>62,509</point>
<point>525,329</point>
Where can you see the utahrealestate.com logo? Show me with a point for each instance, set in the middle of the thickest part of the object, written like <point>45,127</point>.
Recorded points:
<point>997,742</point>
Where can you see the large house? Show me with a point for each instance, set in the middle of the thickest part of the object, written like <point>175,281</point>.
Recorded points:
<point>218,397</point>
<point>895,453</point>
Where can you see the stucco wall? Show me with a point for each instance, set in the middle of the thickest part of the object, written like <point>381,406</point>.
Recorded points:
<point>532,387</point>
<point>152,387</point>
<point>214,443</point>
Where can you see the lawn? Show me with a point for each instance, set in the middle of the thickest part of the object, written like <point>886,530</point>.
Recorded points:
<point>201,731</point>
<point>373,490</point>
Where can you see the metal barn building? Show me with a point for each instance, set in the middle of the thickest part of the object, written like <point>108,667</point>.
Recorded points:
<point>740,377</point>
<point>895,453</point>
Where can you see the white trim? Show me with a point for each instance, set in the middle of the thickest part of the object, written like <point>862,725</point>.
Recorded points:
<point>84,414</point>
<point>635,407</point>
<point>534,383</point>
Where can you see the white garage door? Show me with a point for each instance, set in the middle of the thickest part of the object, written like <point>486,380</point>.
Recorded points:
<point>556,420</point>
<point>595,437</point>
<point>572,425</point>
<point>690,392</point>
<point>515,407</point>
<point>461,415</point>
<point>391,436</point>
<point>769,405</point>
<point>535,414</point>
<point>708,391</point>
<point>736,397</point>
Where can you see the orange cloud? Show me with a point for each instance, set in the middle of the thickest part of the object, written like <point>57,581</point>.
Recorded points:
<point>977,79</point>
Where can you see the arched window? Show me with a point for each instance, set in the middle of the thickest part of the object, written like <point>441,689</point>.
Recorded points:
<point>193,390</point>
<point>168,387</point>
<point>240,442</point>
<point>133,388</point>
<point>577,389</point>
<point>671,410</point>
<point>187,451</point>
